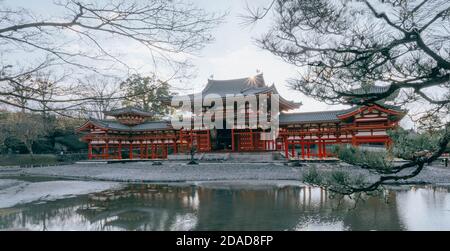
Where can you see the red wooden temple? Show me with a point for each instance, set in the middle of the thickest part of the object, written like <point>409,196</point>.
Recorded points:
<point>302,135</point>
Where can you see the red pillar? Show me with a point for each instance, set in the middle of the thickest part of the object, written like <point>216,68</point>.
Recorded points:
<point>89,150</point>
<point>181,139</point>
<point>120,149</point>
<point>353,139</point>
<point>319,148</point>
<point>286,147</point>
<point>141,150</point>
<point>303,149</point>
<point>131,150</point>
<point>153,151</point>
<point>252,143</point>
<point>209,140</point>
<point>308,150</point>
<point>232,139</point>
<point>324,153</point>
<point>146,150</point>
<point>191,143</point>
<point>106,156</point>
<point>293,150</point>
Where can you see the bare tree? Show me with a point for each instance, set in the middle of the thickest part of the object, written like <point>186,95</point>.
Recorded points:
<point>3,129</point>
<point>106,90</point>
<point>342,45</point>
<point>27,128</point>
<point>21,93</point>
<point>45,89</point>
<point>85,39</point>
<point>429,123</point>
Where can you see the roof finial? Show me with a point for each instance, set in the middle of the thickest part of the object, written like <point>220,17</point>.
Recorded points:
<point>258,71</point>
<point>211,76</point>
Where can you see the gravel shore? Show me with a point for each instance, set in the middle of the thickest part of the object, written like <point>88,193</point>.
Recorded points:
<point>13,192</point>
<point>180,171</point>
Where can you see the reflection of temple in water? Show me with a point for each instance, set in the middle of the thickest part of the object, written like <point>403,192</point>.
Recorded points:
<point>156,207</point>
<point>138,207</point>
<point>142,207</point>
<point>209,207</point>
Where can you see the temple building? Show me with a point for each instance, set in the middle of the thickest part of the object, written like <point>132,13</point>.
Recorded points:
<point>132,135</point>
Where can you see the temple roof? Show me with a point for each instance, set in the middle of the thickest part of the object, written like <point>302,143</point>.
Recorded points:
<point>234,86</point>
<point>330,116</point>
<point>245,86</point>
<point>115,125</point>
<point>374,90</point>
<point>130,111</point>
<point>371,89</point>
<point>321,116</point>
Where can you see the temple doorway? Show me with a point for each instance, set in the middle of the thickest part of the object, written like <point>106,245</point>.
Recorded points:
<point>223,139</point>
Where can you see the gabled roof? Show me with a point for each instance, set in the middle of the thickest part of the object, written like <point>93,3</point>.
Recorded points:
<point>389,109</point>
<point>245,86</point>
<point>130,111</point>
<point>233,86</point>
<point>115,125</point>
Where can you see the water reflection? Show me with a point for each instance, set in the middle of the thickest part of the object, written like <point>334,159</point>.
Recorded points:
<point>185,207</point>
<point>426,209</point>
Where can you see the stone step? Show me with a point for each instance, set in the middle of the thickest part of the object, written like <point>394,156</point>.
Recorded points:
<point>231,156</point>
<point>253,157</point>
<point>182,156</point>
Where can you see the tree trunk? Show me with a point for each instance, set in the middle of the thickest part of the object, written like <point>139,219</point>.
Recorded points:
<point>29,147</point>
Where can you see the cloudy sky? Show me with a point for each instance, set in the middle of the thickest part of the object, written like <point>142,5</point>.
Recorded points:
<point>233,54</point>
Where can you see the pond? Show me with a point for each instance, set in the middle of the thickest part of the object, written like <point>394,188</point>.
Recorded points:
<point>234,206</point>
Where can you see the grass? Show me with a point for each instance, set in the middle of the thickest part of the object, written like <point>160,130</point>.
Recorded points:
<point>27,159</point>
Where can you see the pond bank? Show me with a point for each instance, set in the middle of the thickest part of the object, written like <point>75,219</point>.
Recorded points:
<point>180,172</point>
<point>13,191</point>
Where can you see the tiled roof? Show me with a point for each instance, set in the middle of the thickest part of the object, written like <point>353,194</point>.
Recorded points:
<point>372,89</point>
<point>146,126</point>
<point>233,86</point>
<point>256,90</point>
<point>305,117</point>
<point>154,125</point>
<point>129,110</point>
<point>326,116</point>
<point>244,86</point>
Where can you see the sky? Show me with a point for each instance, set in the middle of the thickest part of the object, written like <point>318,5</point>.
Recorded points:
<point>233,54</point>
